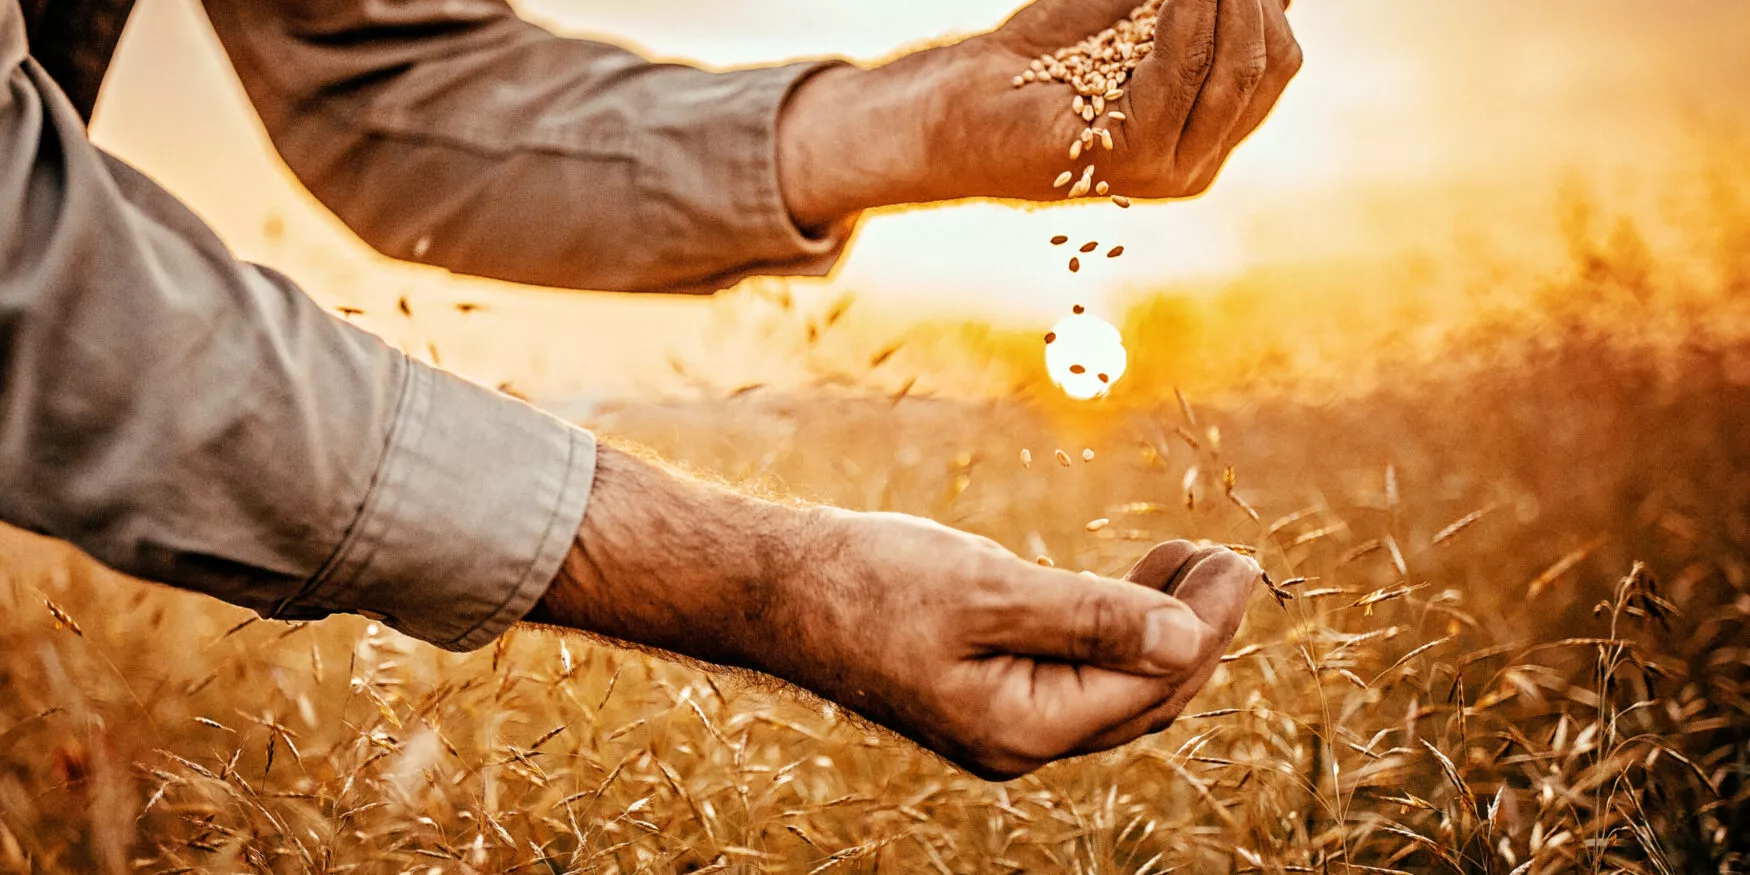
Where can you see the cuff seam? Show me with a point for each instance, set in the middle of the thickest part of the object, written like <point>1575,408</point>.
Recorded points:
<point>400,420</point>
<point>530,587</point>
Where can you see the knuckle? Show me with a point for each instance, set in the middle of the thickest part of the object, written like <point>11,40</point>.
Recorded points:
<point>1096,629</point>
<point>999,769</point>
<point>1195,185</point>
<point>1291,60</point>
<point>996,752</point>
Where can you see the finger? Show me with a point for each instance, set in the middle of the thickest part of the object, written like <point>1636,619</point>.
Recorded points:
<point>1082,620</point>
<point>1284,62</point>
<point>1054,711</point>
<point>1217,586</point>
<point>1164,87</point>
<point>1229,572</point>
<point>1157,716</point>
<point>1241,61</point>
<point>1157,568</point>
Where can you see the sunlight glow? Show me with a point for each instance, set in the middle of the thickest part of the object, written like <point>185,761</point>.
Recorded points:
<point>1085,355</point>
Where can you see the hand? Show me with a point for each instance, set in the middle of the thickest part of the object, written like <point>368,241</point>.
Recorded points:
<point>998,664</point>
<point>948,123</point>
<point>948,639</point>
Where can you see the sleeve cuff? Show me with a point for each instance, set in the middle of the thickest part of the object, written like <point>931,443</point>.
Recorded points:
<point>734,213</point>
<point>477,500</point>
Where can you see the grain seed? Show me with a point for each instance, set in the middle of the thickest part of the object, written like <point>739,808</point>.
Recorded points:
<point>1115,252</point>
<point>1088,455</point>
<point>1059,240</point>
<point>1063,179</point>
<point>1063,458</point>
<point>1075,265</point>
<point>1122,201</point>
<point>1090,246</point>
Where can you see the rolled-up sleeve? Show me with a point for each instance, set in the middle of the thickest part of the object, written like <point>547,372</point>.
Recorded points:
<point>198,421</point>
<point>452,133</point>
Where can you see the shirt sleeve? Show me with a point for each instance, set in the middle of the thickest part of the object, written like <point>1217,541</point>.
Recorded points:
<point>194,420</point>
<point>452,133</point>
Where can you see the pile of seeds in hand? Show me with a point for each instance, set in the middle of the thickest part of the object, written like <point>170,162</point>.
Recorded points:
<point>1096,70</point>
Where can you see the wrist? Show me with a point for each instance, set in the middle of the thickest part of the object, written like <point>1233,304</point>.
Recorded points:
<point>666,561</point>
<point>852,139</point>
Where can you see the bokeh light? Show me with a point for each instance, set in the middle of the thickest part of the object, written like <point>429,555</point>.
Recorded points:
<point>1085,355</point>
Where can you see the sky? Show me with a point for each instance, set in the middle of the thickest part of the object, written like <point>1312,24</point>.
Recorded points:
<point>1412,118</point>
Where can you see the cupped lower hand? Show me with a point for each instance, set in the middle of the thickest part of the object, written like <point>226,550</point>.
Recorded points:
<point>998,664</point>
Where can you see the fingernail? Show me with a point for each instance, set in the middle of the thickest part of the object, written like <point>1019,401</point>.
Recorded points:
<point>1172,640</point>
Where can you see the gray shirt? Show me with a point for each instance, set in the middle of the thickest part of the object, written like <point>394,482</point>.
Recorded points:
<point>192,419</point>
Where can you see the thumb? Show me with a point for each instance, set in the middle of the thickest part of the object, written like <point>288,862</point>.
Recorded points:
<point>1106,623</point>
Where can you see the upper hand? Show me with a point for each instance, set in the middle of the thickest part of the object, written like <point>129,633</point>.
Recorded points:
<point>949,123</point>
<point>996,663</point>
<point>1218,68</point>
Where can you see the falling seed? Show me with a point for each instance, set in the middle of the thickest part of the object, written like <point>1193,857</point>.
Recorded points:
<point>1098,524</point>
<point>1063,179</point>
<point>1077,369</point>
<point>1106,139</point>
<point>1059,240</point>
<point>1079,310</point>
<point>1046,561</point>
<point>1104,378</point>
<point>1090,246</point>
<point>1101,187</point>
<point>1063,458</point>
<point>1116,116</point>
<point>1026,458</point>
<point>1115,252</point>
<point>1051,337</point>
<point>1079,189</point>
<point>1018,81</point>
<point>1088,455</point>
<point>1087,137</point>
<point>1088,113</point>
<point>1077,104</point>
<point>1075,150</point>
<point>1122,201</point>
<point>1099,104</point>
<point>1075,265</point>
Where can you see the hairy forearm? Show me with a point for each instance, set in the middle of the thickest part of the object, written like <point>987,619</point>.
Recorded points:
<point>667,561</point>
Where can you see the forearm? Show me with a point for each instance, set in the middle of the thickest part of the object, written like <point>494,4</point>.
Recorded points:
<point>667,561</point>
<point>449,132</point>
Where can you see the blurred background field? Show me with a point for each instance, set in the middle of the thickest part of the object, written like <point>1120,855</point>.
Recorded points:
<point>1460,347</point>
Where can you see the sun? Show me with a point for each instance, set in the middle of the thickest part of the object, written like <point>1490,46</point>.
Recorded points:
<point>1084,355</point>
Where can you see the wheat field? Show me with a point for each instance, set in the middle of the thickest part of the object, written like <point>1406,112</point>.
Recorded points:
<point>1509,550</point>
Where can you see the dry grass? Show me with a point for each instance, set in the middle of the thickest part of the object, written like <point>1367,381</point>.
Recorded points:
<point>1507,634</point>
